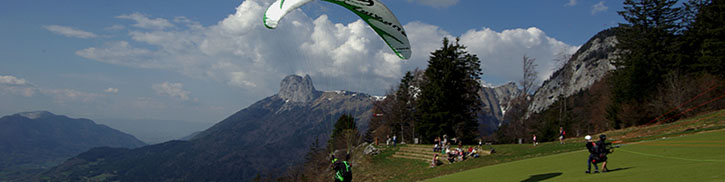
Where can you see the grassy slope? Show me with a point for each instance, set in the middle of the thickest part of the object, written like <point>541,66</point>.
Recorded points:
<point>698,157</point>
<point>385,168</point>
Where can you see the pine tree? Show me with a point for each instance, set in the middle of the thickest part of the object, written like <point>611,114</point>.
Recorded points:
<point>704,37</point>
<point>344,134</point>
<point>649,49</point>
<point>449,98</point>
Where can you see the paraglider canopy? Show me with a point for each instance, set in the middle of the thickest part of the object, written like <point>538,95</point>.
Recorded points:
<point>373,12</point>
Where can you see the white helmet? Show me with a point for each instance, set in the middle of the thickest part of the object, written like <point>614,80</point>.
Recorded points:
<point>588,137</point>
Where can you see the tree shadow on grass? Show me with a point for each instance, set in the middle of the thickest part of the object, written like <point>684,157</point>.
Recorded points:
<point>541,177</point>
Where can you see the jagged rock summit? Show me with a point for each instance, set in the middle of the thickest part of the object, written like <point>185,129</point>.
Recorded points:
<point>294,88</point>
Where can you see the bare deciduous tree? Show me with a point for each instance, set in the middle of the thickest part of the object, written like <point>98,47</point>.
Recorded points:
<point>529,78</point>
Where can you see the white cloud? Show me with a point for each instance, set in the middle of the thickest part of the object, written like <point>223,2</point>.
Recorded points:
<point>501,52</point>
<point>143,21</point>
<point>16,86</point>
<point>599,7</point>
<point>121,53</point>
<point>241,52</point>
<point>111,90</point>
<point>70,32</point>
<point>436,3</point>
<point>174,90</point>
<point>571,3</point>
<point>12,80</point>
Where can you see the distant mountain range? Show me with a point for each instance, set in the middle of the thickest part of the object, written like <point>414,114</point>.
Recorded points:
<point>263,139</point>
<point>41,139</point>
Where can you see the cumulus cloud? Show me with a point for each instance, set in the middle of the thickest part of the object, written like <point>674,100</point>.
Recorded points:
<point>174,90</point>
<point>501,53</point>
<point>599,7</point>
<point>241,52</point>
<point>69,31</point>
<point>436,3</point>
<point>571,3</point>
<point>143,21</point>
<point>111,90</point>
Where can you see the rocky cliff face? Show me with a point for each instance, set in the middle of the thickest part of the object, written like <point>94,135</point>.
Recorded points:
<point>294,88</point>
<point>496,101</point>
<point>588,65</point>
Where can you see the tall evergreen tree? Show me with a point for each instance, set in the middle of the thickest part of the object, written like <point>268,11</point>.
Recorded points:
<point>448,100</point>
<point>403,108</point>
<point>648,43</point>
<point>704,40</point>
<point>344,134</point>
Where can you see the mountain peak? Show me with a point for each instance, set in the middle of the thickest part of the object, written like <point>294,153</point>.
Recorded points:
<point>36,114</point>
<point>295,88</point>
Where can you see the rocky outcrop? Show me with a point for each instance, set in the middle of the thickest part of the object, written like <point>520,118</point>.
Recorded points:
<point>294,88</point>
<point>588,65</point>
<point>495,101</point>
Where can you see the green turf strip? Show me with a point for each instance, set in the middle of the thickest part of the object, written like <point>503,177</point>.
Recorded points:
<point>698,157</point>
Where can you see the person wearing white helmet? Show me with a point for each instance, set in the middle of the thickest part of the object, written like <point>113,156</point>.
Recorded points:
<point>592,154</point>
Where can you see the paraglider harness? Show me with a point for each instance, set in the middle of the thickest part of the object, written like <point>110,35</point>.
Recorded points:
<point>338,170</point>
<point>343,171</point>
<point>601,149</point>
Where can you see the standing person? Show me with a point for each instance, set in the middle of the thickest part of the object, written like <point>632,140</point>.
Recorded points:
<point>591,146</point>
<point>480,143</point>
<point>534,140</point>
<point>337,167</point>
<point>436,144</point>
<point>602,151</point>
<point>561,135</point>
<point>387,141</point>
<point>395,140</point>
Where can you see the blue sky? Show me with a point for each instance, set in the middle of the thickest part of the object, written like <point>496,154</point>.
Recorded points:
<point>201,61</point>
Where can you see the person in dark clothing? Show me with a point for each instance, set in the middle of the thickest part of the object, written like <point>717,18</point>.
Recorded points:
<point>592,154</point>
<point>338,168</point>
<point>602,151</point>
<point>347,170</point>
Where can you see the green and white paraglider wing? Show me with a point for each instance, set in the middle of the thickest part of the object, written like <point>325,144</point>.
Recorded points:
<point>375,13</point>
<point>278,9</point>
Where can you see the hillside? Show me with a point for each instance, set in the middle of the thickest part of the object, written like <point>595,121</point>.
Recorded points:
<point>264,138</point>
<point>42,139</point>
<point>384,167</point>
<point>588,65</point>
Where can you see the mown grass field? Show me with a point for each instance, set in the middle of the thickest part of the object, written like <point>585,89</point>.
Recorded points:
<point>697,157</point>
<point>691,149</point>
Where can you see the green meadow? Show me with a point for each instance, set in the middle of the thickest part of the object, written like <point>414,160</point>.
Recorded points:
<point>696,157</point>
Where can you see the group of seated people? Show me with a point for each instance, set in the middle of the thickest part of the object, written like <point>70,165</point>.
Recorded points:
<point>457,154</point>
